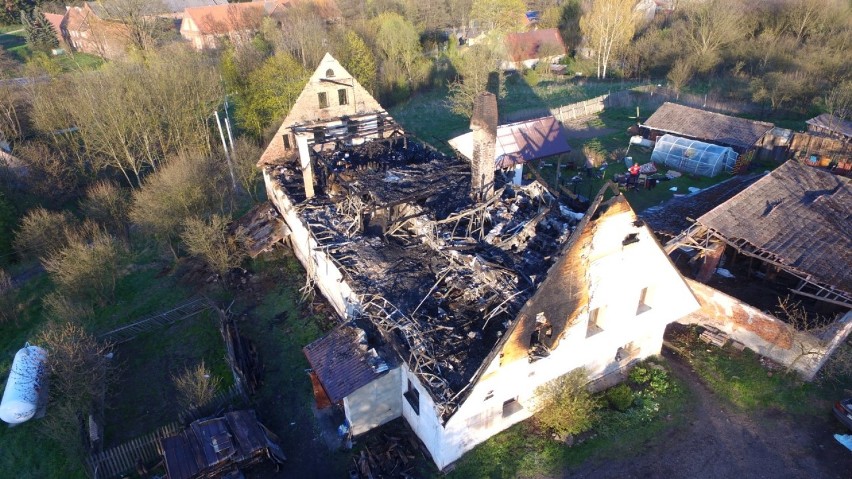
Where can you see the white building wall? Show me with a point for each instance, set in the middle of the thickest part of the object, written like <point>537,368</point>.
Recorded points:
<point>374,404</point>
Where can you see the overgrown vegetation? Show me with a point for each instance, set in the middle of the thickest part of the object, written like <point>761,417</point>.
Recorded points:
<point>529,449</point>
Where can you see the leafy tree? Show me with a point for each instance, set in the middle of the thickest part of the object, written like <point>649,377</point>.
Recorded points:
<point>270,92</point>
<point>474,66</point>
<point>501,15</point>
<point>211,241</point>
<point>245,155</point>
<point>565,406</point>
<point>39,32</point>
<point>608,27</point>
<point>359,60</point>
<point>398,42</point>
<point>569,24</point>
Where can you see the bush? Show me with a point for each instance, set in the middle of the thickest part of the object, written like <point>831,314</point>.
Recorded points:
<point>532,77</point>
<point>565,405</point>
<point>653,379</point>
<point>87,268</point>
<point>620,397</point>
<point>43,233</point>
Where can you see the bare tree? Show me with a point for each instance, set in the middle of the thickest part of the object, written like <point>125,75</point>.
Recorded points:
<point>303,34</point>
<point>79,372</point>
<point>43,232</point>
<point>711,26</point>
<point>680,74</point>
<point>196,386</point>
<point>109,205</point>
<point>608,26</point>
<point>211,241</point>
<point>474,66</point>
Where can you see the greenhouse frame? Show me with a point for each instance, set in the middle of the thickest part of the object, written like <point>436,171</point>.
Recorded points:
<point>692,156</point>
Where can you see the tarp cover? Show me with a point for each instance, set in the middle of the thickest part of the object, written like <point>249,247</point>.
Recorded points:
<point>691,156</point>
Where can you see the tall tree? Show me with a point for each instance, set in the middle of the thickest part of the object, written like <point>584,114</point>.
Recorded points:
<point>399,44</point>
<point>39,32</point>
<point>270,92</point>
<point>359,60</point>
<point>474,66</point>
<point>502,15</point>
<point>711,26</point>
<point>608,26</point>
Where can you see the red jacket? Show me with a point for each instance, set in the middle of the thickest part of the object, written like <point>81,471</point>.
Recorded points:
<point>634,170</point>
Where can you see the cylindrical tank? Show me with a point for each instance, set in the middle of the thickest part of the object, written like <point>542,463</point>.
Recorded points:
<point>20,399</point>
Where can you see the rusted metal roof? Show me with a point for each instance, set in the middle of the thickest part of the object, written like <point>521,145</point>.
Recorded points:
<point>343,362</point>
<point>798,214</point>
<point>707,126</point>
<point>521,142</point>
<point>533,44</point>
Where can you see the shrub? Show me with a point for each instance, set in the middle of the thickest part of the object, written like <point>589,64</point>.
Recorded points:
<point>653,380</point>
<point>620,397</point>
<point>565,405</point>
<point>43,232</point>
<point>87,268</point>
<point>532,77</point>
<point>196,386</point>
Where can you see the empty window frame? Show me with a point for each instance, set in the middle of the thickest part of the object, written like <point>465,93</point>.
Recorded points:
<point>643,305</point>
<point>511,406</point>
<point>288,144</point>
<point>342,97</point>
<point>323,99</point>
<point>593,328</point>
<point>412,395</point>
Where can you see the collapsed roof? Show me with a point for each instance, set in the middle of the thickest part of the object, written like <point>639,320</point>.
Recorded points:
<point>440,277</point>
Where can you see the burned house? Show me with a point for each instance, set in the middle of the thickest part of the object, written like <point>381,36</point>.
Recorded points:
<point>785,235</point>
<point>459,292</point>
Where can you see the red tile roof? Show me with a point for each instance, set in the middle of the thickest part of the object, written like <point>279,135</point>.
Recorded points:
<point>531,45</point>
<point>56,22</point>
<point>220,19</point>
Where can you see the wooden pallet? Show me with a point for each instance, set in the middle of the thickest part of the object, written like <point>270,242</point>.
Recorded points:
<point>715,337</point>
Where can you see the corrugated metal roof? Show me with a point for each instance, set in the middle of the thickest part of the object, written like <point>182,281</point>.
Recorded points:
<point>521,142</point>
<point>707,126</point>
<point>802,215</point>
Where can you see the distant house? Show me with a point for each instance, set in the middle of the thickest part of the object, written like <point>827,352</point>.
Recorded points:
<point>526,49</point>
<point>830,125</point>
<point>206,27</point>
<point>55,21</point>
<point>738,133</point>
<point>520,142</point>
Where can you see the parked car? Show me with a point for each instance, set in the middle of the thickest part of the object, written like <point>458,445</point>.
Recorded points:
<point>843,411</point>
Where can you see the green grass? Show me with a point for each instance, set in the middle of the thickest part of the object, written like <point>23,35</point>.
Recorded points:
<point>525,451</point>
<point>741,379</point>
<point>14,43</point>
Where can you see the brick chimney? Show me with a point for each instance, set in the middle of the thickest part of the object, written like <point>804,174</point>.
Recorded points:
<point>484,126</point>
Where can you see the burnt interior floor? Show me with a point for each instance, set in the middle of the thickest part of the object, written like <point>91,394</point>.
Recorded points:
<point>440,277</point>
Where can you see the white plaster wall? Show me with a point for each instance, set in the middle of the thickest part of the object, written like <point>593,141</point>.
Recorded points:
<point>374,404</point>
<point>328,278</point>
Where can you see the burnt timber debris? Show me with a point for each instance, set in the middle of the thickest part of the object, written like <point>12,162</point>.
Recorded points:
<point>441,266</point>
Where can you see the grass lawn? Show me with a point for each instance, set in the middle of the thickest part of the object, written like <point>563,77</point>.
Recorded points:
<point>525,451</point>
<point>16,44</point>
<point>743,381</point>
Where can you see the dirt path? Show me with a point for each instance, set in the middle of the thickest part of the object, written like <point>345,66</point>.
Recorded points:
<point>718,442</point>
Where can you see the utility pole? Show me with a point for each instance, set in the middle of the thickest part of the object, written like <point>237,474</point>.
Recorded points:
<point>225,146</point>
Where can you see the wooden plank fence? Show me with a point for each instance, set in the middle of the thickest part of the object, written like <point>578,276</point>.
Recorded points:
<point>180,312</point>
<point>116,461</point>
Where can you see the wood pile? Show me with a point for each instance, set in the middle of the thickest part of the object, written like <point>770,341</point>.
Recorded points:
<point>714,336</point>
<point>387,457</point>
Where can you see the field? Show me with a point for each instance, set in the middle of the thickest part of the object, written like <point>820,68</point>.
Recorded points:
<point>13,41</point>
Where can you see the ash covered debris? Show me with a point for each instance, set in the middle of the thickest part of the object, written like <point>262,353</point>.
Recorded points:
<point>439,276</point>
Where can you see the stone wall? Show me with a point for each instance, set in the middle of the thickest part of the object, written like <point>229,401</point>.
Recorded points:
<point>765,334</point>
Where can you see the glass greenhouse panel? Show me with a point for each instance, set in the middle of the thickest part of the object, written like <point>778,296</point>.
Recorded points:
<point>692,156</point>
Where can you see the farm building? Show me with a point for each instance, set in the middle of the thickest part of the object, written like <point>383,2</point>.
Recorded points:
<point>459,293</point>
<point>520,142</point>
<point>692,156</point>
<point>739,134</point>
<point>830,125</point>
<point>526,49</point>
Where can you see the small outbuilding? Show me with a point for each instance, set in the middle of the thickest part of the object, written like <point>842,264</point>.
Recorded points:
<point>692,156</point>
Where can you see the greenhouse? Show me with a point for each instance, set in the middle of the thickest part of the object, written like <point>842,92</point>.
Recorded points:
<point>691,156</point>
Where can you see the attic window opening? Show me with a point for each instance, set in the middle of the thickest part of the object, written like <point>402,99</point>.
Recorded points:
<point>329,73</point>
<point>511,406</point>
<point>412,395</point>
<point>323,99</point>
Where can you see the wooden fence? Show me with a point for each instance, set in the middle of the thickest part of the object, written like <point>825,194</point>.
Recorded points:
<point>180,312</point>
<point>118,460</point>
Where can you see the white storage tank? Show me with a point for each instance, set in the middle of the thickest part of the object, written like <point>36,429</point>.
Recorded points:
<point>20,399</point>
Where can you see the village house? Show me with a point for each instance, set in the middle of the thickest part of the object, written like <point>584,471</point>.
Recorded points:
<point>459,293</point>
<point>760,239</point>
<point>526,49</point>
